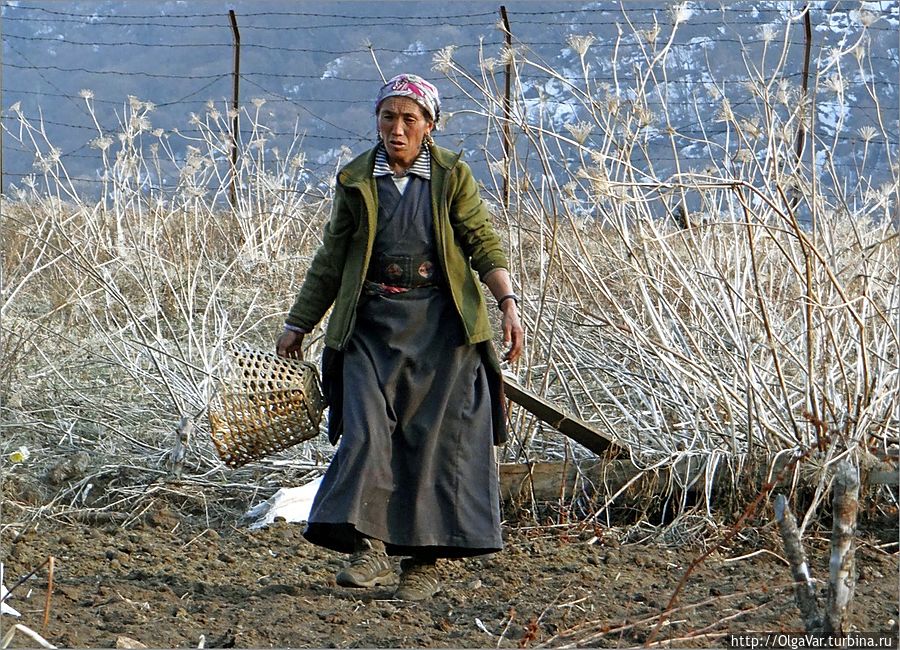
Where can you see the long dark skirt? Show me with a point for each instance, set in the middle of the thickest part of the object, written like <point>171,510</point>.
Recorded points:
<point>415,467</point>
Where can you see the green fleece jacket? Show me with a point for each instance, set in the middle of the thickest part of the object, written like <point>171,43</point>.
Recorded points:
<point>468,248</point>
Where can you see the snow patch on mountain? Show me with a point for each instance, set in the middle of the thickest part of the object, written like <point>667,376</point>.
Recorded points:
<point>333,68</point>
<point>415,49</point>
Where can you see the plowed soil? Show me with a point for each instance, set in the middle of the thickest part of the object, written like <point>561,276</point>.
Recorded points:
<point>170,580</point>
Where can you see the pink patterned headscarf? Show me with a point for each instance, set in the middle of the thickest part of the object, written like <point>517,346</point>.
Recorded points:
<point>417,89</point>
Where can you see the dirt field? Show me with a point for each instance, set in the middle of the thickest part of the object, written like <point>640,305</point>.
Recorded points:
<point>167,580</point>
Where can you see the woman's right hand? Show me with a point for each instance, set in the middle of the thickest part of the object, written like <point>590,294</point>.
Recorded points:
<point>290,345</point>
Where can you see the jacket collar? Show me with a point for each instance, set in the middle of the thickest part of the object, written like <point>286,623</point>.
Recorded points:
<point>421,166</point>
<point>359,170</point>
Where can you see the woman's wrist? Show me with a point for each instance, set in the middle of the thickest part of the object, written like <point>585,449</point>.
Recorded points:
<point>295,328</point>
<point>502,300</point>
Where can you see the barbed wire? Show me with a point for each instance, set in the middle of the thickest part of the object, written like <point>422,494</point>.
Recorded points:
<point>229,44</point>
<point>206,101</point>
<point>307,14</point>
<point>39,73</point>
<point>261,80</point>
<point>693,43</point>
<point>305,27</point>
<point>274,97</point>
<point>695,137</point>
<point>123,73</point>
<point>225,25</point>
<point>572,77</point>
<point>99,18</point>
<point>687,130</point>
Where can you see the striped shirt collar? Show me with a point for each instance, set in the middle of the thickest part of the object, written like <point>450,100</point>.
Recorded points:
<point>421,167</point>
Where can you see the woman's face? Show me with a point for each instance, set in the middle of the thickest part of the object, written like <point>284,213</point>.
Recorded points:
<point>403,126</point>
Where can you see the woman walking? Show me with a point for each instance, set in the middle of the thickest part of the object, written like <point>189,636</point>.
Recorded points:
<point>409,371</point>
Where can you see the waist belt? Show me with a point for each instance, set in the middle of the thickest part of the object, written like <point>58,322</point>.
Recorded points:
<point>407,271</point>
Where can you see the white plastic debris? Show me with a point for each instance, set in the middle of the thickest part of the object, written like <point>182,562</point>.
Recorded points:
<point>292,504</point>
<point>4,608</point>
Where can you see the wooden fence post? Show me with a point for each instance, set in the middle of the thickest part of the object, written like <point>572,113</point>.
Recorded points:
<point>804,94</point>
<point>507,109</point>
<point>234,106</point>
<point>801,131</point>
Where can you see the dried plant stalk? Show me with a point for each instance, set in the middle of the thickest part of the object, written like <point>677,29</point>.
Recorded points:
<point>27,631</point>
<point>51,564</point>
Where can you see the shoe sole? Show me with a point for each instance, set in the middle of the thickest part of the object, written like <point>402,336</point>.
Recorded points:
<point>434,593</point>
<point>385,579</point>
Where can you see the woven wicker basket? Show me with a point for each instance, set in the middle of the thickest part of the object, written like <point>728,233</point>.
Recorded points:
<point>264,405</point>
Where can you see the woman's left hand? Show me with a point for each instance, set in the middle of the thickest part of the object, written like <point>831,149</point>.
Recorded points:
<point>513,334</point>
<point>499,283</point>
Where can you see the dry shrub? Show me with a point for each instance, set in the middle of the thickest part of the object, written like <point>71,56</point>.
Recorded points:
<point>719,315</point>
<point>716,315</point>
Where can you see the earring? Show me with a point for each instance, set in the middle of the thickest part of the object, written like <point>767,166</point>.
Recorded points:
<point>428,139</point>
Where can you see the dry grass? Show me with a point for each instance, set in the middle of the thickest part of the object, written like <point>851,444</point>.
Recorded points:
<point>766,324</point>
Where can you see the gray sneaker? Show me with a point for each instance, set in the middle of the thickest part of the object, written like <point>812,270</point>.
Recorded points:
<point>417,581</point>
<point>369,567</point>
